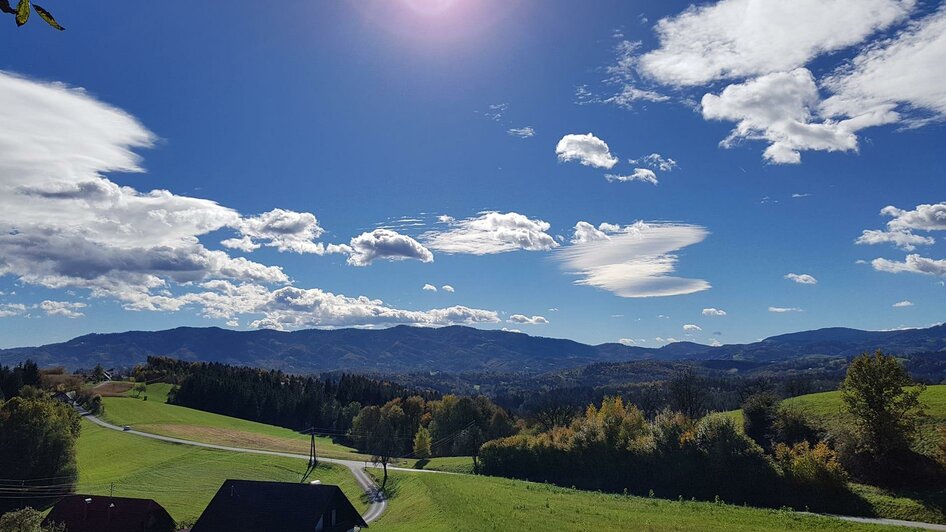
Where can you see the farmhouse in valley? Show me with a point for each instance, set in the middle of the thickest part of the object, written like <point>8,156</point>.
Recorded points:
<point>92,513</point>
<point>249,505</point>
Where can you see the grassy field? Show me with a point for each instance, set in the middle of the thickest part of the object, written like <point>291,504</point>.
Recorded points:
<point>158,417</point>
<point>928,506</point>
<point>827,408</point>
<point>183,478</point>
<point>429,502</point>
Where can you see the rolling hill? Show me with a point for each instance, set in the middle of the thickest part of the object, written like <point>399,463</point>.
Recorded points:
<point>454,349</point>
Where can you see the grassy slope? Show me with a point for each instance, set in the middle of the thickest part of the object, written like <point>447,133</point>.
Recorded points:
<point>158,417</point>
<point>914,506</point>
<point>428,502</point>
<point>182,478</point>
<point>827,408</point>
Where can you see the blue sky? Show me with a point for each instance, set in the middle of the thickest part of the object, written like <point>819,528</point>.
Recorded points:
<point>368,123</point>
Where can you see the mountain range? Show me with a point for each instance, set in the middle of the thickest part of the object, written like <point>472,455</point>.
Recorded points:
<point>404,349</point>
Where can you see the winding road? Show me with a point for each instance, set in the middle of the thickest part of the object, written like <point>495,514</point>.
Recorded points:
<point>376,500</point>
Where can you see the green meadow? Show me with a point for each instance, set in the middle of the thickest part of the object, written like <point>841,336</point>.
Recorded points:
<point>156,416</point>
<point>433,502</point>
<point>183,478</point>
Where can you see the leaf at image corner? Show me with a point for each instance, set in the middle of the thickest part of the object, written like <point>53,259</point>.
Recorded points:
<point>22,12</point>
<point>5,7</point>
<point>48,17</point>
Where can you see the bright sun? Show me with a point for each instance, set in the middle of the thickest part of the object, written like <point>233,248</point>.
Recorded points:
<point>430,7</point>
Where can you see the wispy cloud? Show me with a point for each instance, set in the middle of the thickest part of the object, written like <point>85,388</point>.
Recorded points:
<point>783,310</point>
<point>521,132</point>
<point>801,278</point>
<point>639,174</point>
<point>632,261</point>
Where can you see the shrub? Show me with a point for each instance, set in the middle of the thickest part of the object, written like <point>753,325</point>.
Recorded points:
<point>811,467</point>
<point>792,426</point>
<point>731,465</point>
<point>26,520</point>
<point>758,414</point>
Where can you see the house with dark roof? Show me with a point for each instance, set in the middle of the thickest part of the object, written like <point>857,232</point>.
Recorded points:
<point>249,505</point>
<point>92,513</point>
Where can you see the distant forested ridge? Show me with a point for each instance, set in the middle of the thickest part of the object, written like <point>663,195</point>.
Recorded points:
<point>454,349</point>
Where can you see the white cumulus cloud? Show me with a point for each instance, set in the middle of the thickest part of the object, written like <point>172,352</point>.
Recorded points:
<point>779,108</point>
<point>429,288</point>
<point>65,226</point>
<point>385,244</point>
<point>522,319</point>
<point>913,263</point>
<point>902,304</point>
<point>279,228</point>
<point>713,312</point>
<point>587,149</point>
<point>491,232</point>
<point>733,39</point>
<point>447,288</point>
<point>64,309</point>
<point>689,327</point>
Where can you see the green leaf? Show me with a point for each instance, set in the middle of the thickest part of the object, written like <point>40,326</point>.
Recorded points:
<point>5,7</point>
<point>22,12</point>
<point>48,17</point>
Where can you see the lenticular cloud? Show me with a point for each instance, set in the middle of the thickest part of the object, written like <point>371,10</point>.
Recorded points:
<point>632,261</point>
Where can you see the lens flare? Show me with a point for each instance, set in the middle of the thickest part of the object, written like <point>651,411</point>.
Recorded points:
<point>435,21</point>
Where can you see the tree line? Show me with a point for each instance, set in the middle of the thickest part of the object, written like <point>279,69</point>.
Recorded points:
<point>417,428</point>
<point>272,396</point>
<point>613,446</point>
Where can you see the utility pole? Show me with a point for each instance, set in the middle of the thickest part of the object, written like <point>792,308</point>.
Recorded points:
<point>313,459</point>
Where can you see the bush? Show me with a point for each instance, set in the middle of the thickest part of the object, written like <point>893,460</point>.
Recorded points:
<point>26,520</point>
<point>811,467</point>
<point>758,418</point>
<point>613,448</point>
<point>792,426</point>
<point>731,465</point>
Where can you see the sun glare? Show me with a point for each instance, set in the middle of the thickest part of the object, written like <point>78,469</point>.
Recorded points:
<point>430,7</point>
<point>440,21</point>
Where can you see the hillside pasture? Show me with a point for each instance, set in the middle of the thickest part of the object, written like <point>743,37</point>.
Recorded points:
<point>433,502</point>
<point>156,416</point>
<point>183,478</point>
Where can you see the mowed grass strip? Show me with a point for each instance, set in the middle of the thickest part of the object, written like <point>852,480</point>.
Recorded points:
<point>158,417</point>
<point>434,502</point>
<point>180,477</point>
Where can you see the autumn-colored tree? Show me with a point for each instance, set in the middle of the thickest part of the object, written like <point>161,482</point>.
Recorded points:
<point>422,443</point>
